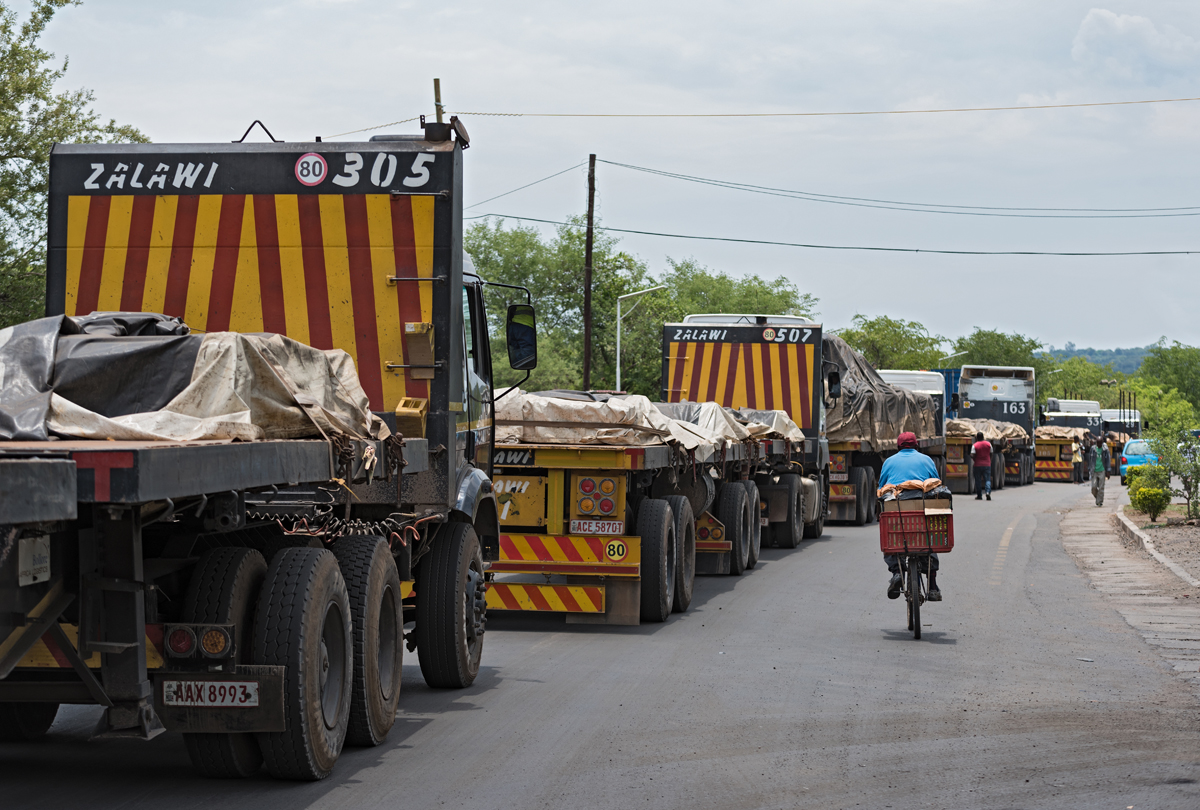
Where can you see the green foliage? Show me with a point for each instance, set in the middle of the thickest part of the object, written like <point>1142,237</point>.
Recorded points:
<point>553,271</point>
<point>988,347</point>
<point>33,117</point>
<point>1082,379</point>
<point>1152,501</point>
<point>1150,475</point>
<point>1126,361</point>
<point>894,343</point>
<point>1178,453</point>
<point>1177,366</point>
<point>1161,406</point>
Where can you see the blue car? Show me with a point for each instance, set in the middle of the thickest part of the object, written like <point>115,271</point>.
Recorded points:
<point>1135,453</point>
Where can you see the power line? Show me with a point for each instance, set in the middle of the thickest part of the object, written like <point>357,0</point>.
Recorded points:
<point>377,126</point>
<point>925,208</point>
<point>860,247</point>
<point>527,185</point>
<point>815,114</point>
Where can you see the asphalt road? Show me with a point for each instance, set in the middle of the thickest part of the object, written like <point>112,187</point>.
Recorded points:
<point>795,685</point>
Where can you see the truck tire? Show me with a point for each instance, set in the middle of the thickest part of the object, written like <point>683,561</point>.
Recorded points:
<point>373,584</point>
<point>997,471</point>
<point>303,624</point>
<point>656,526</point>
<point>224,589</point>
<point>859,480</point>
<point>755,524</point>
<point>814,530</point>
<point>26,722</point>
<point>685,551</point>
<point>872,500</point>
<point>733,510</point>
<point>788,533</point>
<point>451,608</point>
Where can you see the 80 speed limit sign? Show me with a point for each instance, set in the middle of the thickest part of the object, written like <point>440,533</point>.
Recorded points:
<point>311,169</point>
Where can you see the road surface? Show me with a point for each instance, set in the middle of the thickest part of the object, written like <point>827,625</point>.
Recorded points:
<point>795,685</point>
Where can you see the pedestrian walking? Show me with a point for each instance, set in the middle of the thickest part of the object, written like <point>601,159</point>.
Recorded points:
<point>981,453</point>
<point>1100,471</point>
<point>1076,462</point>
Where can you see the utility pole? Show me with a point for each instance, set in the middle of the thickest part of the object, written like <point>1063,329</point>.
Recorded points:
<point>587,277</point>
<point>437,98</point>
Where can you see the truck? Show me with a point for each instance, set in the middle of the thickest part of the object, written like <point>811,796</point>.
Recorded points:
<point>1002,394</point>
<point>613,530</point>
<point>1082,413</point>
<point>257,596</point>
<point>931,383</point>
<point>762,362</point>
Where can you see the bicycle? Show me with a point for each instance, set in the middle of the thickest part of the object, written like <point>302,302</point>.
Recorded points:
<point>915,569</point>
<point>922,527</point>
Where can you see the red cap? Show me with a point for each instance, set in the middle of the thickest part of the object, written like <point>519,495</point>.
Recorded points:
<point>906,440</point>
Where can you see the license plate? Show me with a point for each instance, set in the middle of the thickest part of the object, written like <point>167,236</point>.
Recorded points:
<point>839,476</point>
<point>597,527</point>
<point>762,521</point>
<point>204,694</point>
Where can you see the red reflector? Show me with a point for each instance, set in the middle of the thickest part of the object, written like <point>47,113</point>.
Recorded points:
<point>181,641</point>
<point>703,533</point>
<point>587,485</point>
<point>606,506</point>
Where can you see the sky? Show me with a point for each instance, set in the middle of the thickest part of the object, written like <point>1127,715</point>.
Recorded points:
<point>201,72</point>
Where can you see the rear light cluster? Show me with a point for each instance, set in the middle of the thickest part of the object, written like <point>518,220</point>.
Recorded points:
<point>197,640</point>
<point>598,495</point>
<point>1124,460</point>
<point>716,534</point>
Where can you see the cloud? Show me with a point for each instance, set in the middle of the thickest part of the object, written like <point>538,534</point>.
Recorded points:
<point>1132,48</point>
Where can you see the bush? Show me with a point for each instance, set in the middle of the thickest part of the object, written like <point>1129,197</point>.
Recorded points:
<point>1132,474</point>
<point>1151,501</point>
<point>1147,475</point>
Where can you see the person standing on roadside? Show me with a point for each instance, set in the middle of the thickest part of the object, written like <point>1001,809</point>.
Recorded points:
<point>981,454</point>
<point>1100,471</point>
<point>1076,462</point>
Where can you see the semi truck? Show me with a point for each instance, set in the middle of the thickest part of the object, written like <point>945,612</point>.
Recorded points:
<point>258,596</point>
<point>931,383</point>
<point>762,362</point>
<point>1080,413</point>
<point>1003,394</point>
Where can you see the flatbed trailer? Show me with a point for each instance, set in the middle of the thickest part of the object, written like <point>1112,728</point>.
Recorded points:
<point>1010,463</point>
<point>854,469</point>
<point>615,535</point>
<point>354,246</point>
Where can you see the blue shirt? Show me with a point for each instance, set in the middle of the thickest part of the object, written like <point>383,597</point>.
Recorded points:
<point>907,465</point>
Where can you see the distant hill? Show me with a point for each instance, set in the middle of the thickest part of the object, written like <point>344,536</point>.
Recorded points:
<point>1126,361</point>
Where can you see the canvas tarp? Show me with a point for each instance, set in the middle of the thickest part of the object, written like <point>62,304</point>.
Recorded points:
<point>1060,432</point>
<point>869,409</point>
<point>714,418</point>
<point>770,424</point>
<point>132,376</point>
<point>991,429</point>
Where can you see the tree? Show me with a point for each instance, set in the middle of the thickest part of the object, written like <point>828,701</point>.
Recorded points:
<point>33,117</point>
<point>987,347</point>
<point>1178,450</point>
<point>1160,405</point>
<point>893,343</point>
<point>1079,378</point>
<point>1174,366</point>
<point>553,271</point>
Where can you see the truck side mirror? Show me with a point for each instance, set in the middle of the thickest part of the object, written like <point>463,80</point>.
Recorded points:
<point>520,333</point>
<point>955,401</point>
<point>835,384</point>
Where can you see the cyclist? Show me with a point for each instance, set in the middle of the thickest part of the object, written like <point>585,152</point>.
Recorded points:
<point>908,465</point>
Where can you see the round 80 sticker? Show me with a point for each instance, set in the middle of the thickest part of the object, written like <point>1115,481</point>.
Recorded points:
<point>311,169</point>
<point>616,550</point>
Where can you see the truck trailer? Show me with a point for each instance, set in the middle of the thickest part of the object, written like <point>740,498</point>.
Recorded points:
<point>184,577</point>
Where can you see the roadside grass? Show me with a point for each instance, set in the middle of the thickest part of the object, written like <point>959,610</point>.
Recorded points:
<point>1142,520</point>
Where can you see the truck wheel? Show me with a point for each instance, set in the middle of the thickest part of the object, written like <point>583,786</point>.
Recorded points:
<point>997,471</point>
<point>224,589</point>
<point>788,533</point>
<point>872,500</point>
<point>373,584</point>
<point>303,624</point>
<point>814,530</point>
<point>656,525</point>
<point>734,511</point>
<point>755,524</point>
<point>451,608</point>
<point>858,480</point>
<point>685,551</point>
<point>25,722</point>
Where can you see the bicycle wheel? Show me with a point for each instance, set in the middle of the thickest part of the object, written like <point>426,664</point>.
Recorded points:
<point>914,597</point>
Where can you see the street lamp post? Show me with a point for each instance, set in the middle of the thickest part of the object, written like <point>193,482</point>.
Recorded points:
<point>956,354</point>
<point>621,298</point>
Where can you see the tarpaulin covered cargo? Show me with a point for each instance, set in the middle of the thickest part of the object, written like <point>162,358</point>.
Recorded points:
<point>709,415</point>
<point>991,429</point>
<point>1060,432</point>
<point>762,424</point>
<point>869,409</point>
<point>145,377</point>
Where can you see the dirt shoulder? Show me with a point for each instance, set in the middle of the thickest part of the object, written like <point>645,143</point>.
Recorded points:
<point>1179,542</point>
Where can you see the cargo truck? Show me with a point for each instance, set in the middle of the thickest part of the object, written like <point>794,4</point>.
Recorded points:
<point>171,597</point>
<point>762,362</point>
<point>1003,394</point>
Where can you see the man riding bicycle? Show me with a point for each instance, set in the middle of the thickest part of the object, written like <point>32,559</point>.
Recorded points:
<point>908,465</point>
